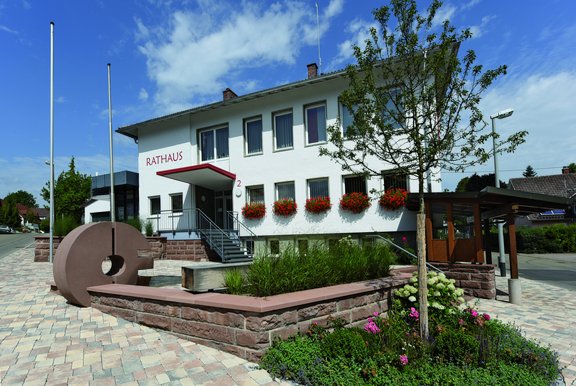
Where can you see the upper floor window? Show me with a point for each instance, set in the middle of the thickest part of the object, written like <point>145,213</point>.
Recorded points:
<point>285,190</point>
<point>394,179</point>
<point>177,202</point>
<point>214,143</point>
<point>392,112</point>
<point>318,188</point>
<point>354,184</point>
<point>154,205</point>
<point>315,123</point>
<point>347,120</point>
<point>255,194</point>
<point>253,135</point>
<point>283,131</point>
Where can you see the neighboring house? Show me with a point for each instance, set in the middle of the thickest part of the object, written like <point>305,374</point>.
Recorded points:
<point>125,197</point>
<point>258,148</point>
<point>40,213</point>
<point>561,185</point>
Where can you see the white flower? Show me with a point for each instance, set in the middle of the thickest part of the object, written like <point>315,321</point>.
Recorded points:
<point>412,298</point>
<point>437,293</point>
<point>433,281</point>
<point>459,292</point>
<point>451,287</point>
<point>441,276</point>
<point>453,281</point>
<point>440,286</point>
<point>460,300</point>
<point>413,290</point>
<point>432,274</point>
<point>413,279</point>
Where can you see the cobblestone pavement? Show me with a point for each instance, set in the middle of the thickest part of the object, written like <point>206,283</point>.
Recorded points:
<point>45,341</point>
<point>547,314</point>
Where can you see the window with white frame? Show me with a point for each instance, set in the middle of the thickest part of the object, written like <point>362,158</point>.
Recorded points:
<point>318,188</point>
<point>394,179</point>
<point>393,107</point>
<point>154,205</point>
<point>315,116</point>
<point>283,131</point>
<point>253,135</point>
<point>255,194</point>
<point>177,202</point>
<point>285,190</point>
<point>347,120</point>
<point>355,184</point>
<point>213,143</point>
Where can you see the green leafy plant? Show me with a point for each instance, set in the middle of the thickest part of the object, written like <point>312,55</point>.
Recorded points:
<point>136,222</point>
<point>234,281</point>
<point>64,225</point>
<point>148,228</point>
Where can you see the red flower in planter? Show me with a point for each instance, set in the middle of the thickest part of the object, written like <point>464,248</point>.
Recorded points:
<point>254,210</point>
<point>318,205</point>
<point>355,202</point>
<point>393,199</point>
<point>284,207</point>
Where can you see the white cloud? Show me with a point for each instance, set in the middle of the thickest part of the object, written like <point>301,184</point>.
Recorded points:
<point>199,52</point>
<point>61,99</point>
<point>360,32</point>
<point>445,12</point>
<point>8,30</point>
<point>143,95</point>
<point>478,30</point>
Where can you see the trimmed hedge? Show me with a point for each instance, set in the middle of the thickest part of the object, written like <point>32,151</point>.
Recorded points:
<point>558,238</point>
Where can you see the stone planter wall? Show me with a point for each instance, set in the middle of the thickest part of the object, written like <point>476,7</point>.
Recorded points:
<point>475,279</point>
<point>242,325</point>
<point>161,248</point>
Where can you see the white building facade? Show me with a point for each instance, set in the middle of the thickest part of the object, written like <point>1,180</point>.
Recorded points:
<point>259,147</point>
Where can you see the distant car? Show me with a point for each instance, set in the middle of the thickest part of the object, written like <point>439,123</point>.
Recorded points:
<point>5,229</point>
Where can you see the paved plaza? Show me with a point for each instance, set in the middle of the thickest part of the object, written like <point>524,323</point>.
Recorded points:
<point>45,341</point>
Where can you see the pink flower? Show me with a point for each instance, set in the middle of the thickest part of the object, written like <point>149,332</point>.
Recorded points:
<point>371,327</point>
<point>414,313</point>
<point>403,359</point>
<point>486,316</point>
<point>376,313</point>
<point>404,239</point>
<point>461,322</point>
<point>474,313</point>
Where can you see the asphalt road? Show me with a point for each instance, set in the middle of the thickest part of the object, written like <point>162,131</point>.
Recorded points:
<point>11,242</point>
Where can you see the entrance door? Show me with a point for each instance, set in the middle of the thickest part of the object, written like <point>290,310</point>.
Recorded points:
<point>223,204</point>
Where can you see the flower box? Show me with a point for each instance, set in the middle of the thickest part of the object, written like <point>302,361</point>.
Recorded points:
<point>355,202</point>
<point>284,207</point>
<point>393,199</point>
<point>254,211</point>
<point>318,205</point>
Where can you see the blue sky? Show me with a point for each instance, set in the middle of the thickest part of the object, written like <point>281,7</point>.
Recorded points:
<point>169,55</point>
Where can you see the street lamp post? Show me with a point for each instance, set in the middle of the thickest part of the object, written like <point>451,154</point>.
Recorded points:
<point>501,258</point>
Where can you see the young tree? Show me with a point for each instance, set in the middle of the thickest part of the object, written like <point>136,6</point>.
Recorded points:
<point>71,191</point>
<point>476,183</point>
<point>572,167</point>
<point>414,104</point>
<point>9,215</point>
<point>529,172</point>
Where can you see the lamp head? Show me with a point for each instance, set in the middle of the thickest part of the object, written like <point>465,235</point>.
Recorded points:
<point>502,114</point>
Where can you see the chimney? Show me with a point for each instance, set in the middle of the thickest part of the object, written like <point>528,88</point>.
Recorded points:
<point>565,170</point>
<point>228,94</point>
<point>312,70</point>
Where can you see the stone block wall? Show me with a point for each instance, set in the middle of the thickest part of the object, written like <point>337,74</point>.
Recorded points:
<point>242,325</point>
<point>42,248</point>
<point>189,250</point>
<point>476,280</point>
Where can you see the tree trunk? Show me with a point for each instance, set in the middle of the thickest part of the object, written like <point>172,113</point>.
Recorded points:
<point>422,271</point>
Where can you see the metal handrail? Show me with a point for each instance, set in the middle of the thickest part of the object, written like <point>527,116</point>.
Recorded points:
<point>213,234</point>
<point>168,220</point>
<point>239,227</point>
<point>430,266</point>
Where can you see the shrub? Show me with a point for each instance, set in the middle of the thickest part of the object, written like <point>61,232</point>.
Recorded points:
<point>64,225</point>
<point>318,205</point>
<point>284,207</point>
<point>355,202</point>
<point>558,238</point>
<point>456,347</point>
<point>234,281</point>
<point>148,228</point>
<point>45,225</point>
<point>254,211</point>
<point>345,343</point>
<point>136,222</point>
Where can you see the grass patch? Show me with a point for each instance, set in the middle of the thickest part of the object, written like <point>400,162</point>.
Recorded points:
<point>319,266</point>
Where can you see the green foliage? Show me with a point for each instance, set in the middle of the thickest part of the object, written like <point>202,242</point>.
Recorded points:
<point>71,191</point>
<point>9,215</point>
<point>476,183</point>
<point>234,281</point>
<point>572,167</point>
<point>148,228</point>
<point>64,225</point>
<point>45,225</point>
<point>318,267</point>
<point>348,343</point>
<point>529,172</point>
<point>136,222</point>
<point>455,347</point>
<point>21,197</point>
<point>557,238</point>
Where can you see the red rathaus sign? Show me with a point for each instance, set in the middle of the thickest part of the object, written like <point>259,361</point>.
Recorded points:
<point>164,158</point>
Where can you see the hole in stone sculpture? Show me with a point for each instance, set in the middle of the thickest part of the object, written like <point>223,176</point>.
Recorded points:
<point>112,265</point>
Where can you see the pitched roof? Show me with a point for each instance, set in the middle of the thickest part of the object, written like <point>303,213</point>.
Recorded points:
<point>561,185</point>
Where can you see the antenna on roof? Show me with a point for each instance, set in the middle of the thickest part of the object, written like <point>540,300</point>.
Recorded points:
<point>318,35</point>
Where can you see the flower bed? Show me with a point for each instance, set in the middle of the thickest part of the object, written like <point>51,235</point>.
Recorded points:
<point>355,202</point>
<point>254,211</point>
<point>318,205</point>
<point>284,207</point>
<point>393,199</point>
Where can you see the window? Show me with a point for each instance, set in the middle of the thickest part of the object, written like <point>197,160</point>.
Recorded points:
<point>390,112</point>
<point>255,194</point>
<point>214,142</point>
<point>318,188</point>
<point>354,184</point>
<point>274,247</point>
<point>283,131</point>
<point>395,180</point>
<point>253,136</point>
<point>347,120</point>
<point>302,247</point>
<point>285,190</point>
<point>315,123</point>
<point>154,205</point>
<point>176,200</point>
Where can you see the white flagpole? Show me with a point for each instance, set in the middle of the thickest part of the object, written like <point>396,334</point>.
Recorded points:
<point>52,209</point>
<point>112,197</point>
